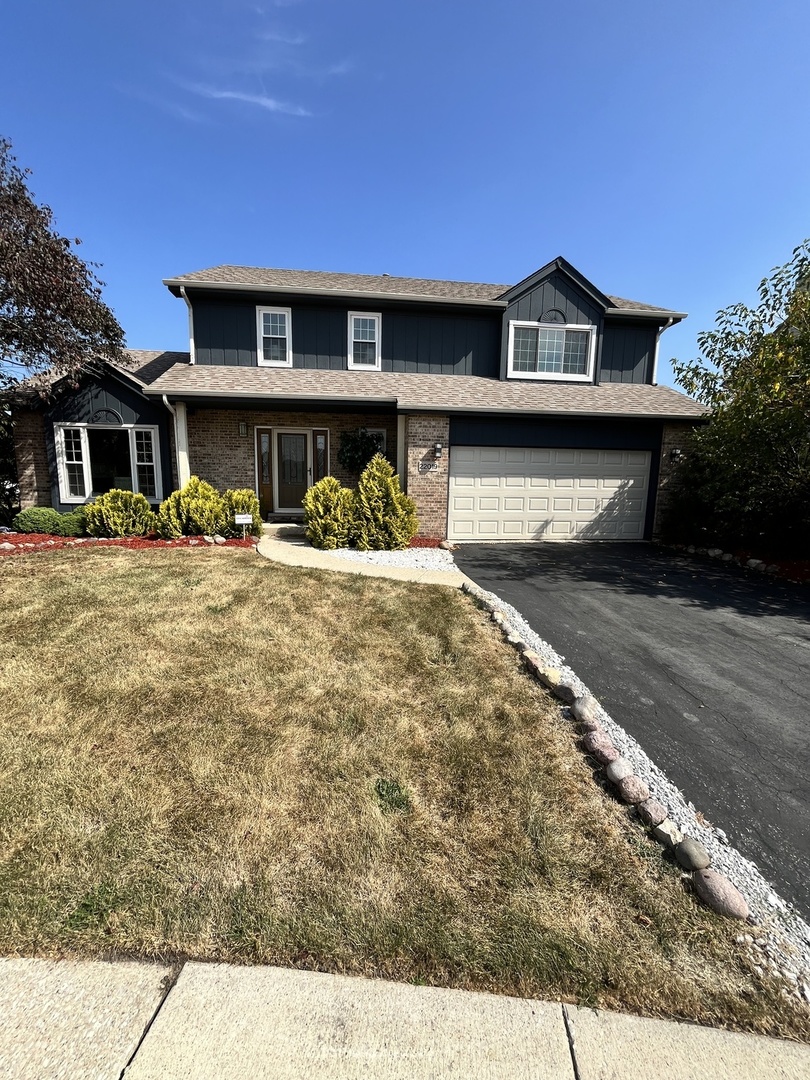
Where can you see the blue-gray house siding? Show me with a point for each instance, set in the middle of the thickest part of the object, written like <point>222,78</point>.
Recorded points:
<point>91,399</point>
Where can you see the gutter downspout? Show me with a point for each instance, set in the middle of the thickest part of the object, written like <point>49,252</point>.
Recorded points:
<point>661,329</point>
<point>178,412</point>
<point>191,350</point>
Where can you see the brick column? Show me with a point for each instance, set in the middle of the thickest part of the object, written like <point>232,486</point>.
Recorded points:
<point>32,458</point>
<point>675,437</point>
<point>427,476</point>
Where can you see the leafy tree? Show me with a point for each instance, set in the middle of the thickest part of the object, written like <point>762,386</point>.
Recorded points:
<point>745,480</point>
<point>52,316</point>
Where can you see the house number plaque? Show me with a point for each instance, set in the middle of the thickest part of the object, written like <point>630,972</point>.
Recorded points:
<point>428,466</point>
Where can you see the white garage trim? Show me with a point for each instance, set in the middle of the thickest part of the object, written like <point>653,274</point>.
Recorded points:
<point>515,493</point>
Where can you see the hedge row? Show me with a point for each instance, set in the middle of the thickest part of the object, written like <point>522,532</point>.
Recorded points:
<point>197,509</point>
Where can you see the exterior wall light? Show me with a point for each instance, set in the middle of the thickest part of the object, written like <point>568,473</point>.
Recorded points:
<point>675,456</point>
<point>437,450</point>
<point>243,430</point>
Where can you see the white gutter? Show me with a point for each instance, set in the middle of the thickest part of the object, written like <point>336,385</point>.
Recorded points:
<point>192,356</point>
<point>661,329</point>
<point>178,411</point>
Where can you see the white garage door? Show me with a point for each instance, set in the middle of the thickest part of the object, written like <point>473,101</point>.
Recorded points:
<point>502,493</point>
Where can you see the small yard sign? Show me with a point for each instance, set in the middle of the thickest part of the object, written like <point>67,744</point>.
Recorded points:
<point>243,519</point>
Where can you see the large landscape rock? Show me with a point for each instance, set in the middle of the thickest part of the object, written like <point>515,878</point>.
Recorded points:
<point>619,769</point>
<point>599,746</point>
<point>633,790</point>
<point>692,855</point>
<point>668,833</point>
<point>652,812</point>
<point>584,711</point>
<point>717,892</point>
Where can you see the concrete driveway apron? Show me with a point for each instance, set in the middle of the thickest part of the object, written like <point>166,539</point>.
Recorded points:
<point>707,666</point>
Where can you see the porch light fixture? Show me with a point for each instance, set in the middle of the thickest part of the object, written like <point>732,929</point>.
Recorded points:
<point>437,450</point>
<point>243,430</point>
<point>675,455</point>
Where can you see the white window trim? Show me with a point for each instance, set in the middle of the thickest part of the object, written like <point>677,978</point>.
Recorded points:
<point>551,376</point>
<point>260,313</point>
<point>59,442</point>
<point>377,366</point>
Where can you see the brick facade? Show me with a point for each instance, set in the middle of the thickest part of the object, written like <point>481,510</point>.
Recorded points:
<point>675,437</point>
<point>428,489</point>
<point>32,458</point>
<point>226,459</point>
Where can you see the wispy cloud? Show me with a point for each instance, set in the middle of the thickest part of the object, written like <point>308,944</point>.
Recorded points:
<point>262,101</point>
<point>165,104</point>
<point>280,38</point>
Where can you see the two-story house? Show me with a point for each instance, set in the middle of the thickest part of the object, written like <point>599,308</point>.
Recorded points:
<point>511,412</point>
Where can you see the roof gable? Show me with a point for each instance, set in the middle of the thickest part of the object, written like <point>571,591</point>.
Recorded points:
<point>562,266</point>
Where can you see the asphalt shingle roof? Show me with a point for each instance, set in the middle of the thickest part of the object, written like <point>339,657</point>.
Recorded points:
<point>435,393</point>
<point>320,280</point>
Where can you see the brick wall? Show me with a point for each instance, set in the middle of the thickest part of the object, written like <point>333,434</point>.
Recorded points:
<point>218,454</point>
<point>675,436</point>
<point>32,458</point>
<point>428,489</point>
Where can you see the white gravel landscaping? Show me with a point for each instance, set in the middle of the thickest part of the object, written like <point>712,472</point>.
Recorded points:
<point>781,942</point>
<point>410,559</point>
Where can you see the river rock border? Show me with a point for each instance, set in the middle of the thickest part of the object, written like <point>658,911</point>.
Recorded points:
<point>781,947</point>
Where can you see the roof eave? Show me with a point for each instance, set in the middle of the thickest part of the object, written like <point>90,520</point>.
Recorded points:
<point>645,313</point>
<point>303,290</point>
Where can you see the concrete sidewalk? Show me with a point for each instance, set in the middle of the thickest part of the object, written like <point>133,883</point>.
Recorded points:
<point>286,544</point>
<point>85,1019</point>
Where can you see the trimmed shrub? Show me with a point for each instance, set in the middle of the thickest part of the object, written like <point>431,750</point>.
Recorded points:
<point>241,501</point>
<point>195,510</point>
<point>384,517</point>
<point>38,519</point>
<point>120,513</point>
<point>74,523</point>
<point>328,514</point>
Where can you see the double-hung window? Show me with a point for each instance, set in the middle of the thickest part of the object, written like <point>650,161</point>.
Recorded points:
<point>94,458</point>
<point>365,331</point>
<point>551,351</point>
<point>274,337</point>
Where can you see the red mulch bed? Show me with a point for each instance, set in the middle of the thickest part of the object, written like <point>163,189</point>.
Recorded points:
<point>424,542</point>
<point>29,543</point>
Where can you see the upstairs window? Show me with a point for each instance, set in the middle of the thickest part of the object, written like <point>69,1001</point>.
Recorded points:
<point>364,340</point>
<point>274,337</point>
<point>538,351</point>
<point>93,458</point>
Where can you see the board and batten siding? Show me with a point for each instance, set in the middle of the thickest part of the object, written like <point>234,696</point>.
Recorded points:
<point>447,343</point>
<point>628,353</point>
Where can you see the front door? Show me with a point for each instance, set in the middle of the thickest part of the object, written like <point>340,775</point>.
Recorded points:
<point>293,469</point>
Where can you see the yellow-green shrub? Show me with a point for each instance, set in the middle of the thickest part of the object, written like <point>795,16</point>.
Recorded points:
<point>328,514</point>
<point>195,510</point>
<point>384,517</point>
<point>241,501</point>
<point>120,513</point>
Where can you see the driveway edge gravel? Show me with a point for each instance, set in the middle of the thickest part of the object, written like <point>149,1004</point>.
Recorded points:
<point>719,875</point>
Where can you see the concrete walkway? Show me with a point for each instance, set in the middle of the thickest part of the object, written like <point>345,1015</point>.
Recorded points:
<point>85,1019</point>
<point>286,544</point>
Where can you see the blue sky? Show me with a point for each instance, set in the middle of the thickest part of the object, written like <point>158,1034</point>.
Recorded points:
<point>663,149</point>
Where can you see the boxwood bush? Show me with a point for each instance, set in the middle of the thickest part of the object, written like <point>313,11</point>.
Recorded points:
<point>38,519</point>
<point>74,523</point>
<point>120,513</point>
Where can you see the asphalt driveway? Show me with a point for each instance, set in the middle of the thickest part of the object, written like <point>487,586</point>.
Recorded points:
<point>707,666</point>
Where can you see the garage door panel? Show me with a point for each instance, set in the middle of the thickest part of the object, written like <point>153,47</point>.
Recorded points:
<point>553,494</point>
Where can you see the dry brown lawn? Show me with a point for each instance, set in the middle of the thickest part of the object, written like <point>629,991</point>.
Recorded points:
<point>206,755</point>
